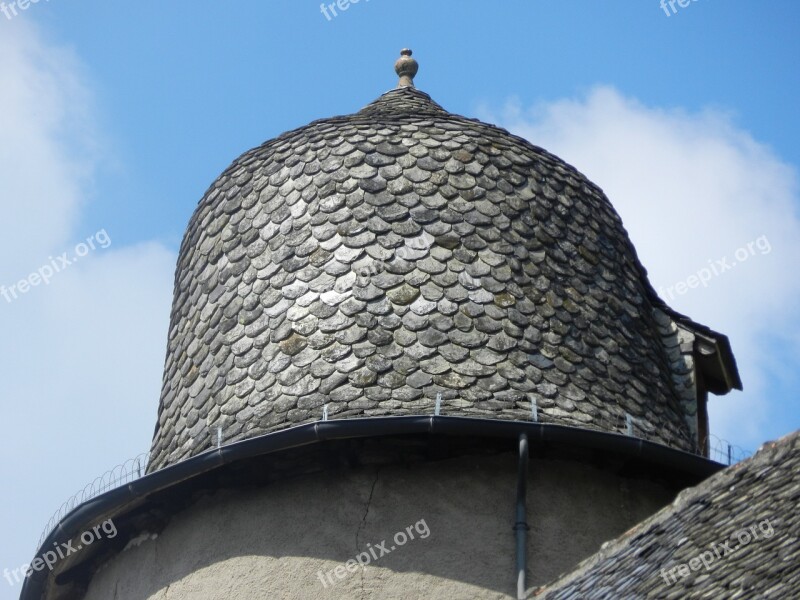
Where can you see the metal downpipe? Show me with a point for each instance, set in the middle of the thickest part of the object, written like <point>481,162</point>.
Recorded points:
<point>521,523</point>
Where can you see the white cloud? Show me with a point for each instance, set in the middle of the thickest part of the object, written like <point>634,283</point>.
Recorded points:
<point>82,356</point>
<point>48,143</point>
<point>693,188</point>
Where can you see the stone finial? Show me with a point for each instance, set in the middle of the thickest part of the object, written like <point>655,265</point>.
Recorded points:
<point>406,68</point>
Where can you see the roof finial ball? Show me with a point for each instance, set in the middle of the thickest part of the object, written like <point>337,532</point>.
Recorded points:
<point>406,68</point>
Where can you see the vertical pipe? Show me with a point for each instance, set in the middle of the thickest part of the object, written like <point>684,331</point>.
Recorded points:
<point>521,524</point>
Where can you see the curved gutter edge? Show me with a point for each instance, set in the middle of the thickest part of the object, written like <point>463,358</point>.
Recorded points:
<point>91,511</point>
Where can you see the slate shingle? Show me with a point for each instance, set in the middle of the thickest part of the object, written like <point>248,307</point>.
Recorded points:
<point>736,535</point>
<point>401,252</point>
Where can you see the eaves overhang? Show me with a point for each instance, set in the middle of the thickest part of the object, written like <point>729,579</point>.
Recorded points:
<point>185,478</point>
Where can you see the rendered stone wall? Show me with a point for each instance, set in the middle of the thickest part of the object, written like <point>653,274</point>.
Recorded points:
<point>274,542</point>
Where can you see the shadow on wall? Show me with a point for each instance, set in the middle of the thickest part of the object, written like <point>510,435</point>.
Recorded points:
<point>294,539</point>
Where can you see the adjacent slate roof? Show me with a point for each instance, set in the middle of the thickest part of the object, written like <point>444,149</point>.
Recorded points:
<point>742,522</point>
<point>372,261</point>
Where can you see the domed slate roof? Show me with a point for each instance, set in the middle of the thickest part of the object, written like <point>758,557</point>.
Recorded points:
<point>365,264</point>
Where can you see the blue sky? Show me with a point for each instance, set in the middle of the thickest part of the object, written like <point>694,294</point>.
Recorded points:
<point>115,118</point>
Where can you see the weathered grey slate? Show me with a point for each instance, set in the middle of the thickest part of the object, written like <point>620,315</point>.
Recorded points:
<point>371,261</point>
<point>736,535</point>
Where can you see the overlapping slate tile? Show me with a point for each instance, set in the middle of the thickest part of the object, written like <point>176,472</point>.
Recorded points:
<point>733,536</point>
<point>372,261</point>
